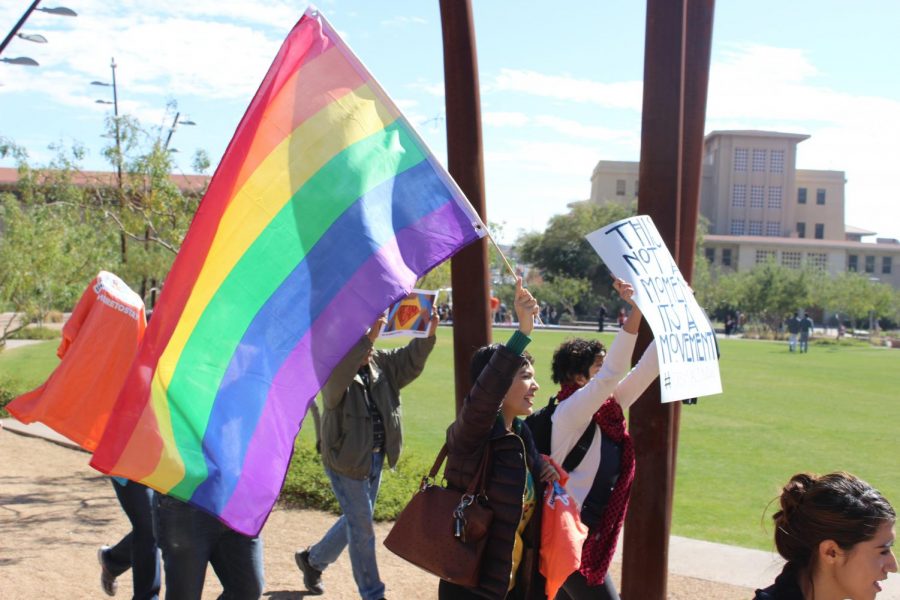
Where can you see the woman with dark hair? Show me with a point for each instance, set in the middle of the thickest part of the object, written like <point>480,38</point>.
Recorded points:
<point>836,533</point>
<point>503,390</point>
<point>589,438</point>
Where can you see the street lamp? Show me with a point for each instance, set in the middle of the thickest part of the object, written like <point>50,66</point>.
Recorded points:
<point>21,60</point>
<point>115,105</point>
<point>58,10</point>
<point>175,124</point>
<point>32,37</point>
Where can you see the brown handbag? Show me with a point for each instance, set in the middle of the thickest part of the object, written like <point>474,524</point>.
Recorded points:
<point>444,531</point>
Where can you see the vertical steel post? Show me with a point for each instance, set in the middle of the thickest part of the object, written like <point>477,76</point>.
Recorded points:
<point>469,268</point>
<point>676,70</point>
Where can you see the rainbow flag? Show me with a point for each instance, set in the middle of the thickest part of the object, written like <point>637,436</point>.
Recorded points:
<point>325,209</point>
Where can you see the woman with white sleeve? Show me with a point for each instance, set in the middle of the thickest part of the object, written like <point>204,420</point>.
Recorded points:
<point>594,392</point>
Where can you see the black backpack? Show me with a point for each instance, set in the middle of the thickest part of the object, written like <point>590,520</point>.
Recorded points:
<point>541,425</point>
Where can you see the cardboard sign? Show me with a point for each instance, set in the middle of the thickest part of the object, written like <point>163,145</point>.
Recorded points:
<point>685,340</point>
<point>411,316</point>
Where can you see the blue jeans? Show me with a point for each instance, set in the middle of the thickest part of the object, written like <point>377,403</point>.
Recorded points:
<point>357,500</point>
<point>190,538</point>
<point>137,550</point>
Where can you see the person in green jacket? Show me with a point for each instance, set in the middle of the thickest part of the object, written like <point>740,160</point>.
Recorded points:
<point>360,431</point>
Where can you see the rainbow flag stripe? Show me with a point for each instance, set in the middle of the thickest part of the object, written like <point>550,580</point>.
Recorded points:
<point>325,209</point>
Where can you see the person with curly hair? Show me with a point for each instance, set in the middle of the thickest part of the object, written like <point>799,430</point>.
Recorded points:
<point>589,438</point>
<point>836,533</point>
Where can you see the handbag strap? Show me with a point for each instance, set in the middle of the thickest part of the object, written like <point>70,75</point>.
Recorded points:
<point>478,482</point>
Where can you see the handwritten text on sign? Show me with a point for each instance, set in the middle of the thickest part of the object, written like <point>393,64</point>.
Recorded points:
<point>685,341</point>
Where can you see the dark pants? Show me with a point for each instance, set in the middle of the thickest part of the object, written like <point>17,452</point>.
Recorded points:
<point>576,588</point>
<point>451,591</point>
<point>137,550</point>
<point>190,539</point>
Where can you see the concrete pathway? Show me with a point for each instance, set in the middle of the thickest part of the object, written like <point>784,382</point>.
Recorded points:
<point>687,557</point>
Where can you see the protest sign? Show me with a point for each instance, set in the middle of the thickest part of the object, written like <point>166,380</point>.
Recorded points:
<point>411,315</point>
<point>685,340</point>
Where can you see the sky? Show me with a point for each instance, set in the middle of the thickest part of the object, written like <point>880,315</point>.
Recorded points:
<point>560,87</point>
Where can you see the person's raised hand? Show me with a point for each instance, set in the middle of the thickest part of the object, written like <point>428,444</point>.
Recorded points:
<point>526,308</point>
<point>375,329</point>
<point>625,290</point>
<point>433,325</point>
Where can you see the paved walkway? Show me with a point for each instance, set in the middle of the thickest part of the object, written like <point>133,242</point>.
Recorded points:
<point>691,558</point>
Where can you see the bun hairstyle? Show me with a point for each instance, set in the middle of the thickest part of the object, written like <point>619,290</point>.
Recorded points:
<point>837,506</point>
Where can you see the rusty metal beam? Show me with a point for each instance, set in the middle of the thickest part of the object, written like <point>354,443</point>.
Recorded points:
<point>465,157</point>
<point>676,71</point>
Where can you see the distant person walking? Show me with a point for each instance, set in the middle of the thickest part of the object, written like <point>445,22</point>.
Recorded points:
<point>793,328</point>
<point>601,318</point>
<point>806,326</point>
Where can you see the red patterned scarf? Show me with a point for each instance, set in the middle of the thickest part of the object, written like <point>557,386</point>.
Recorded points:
<point>600,546</point>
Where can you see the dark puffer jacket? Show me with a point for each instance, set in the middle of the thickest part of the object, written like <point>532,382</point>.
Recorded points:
<point>477,425</point>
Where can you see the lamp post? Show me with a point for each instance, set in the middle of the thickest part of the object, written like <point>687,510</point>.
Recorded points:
<point>115,105</point>
<point>24,60</point>
<point>175,124</point>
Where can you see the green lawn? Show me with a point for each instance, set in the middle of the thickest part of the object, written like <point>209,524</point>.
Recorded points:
<point>28,366</point>
<point>833,408</point>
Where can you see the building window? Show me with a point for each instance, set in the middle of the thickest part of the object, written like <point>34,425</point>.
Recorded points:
<point>759,160</point>
<point>773,228</point>
<point>620,187</point>
<point>636,188</point>
<point>820,196</point>
<point>801,195</point>
<point>740,159</point>
<point>820,231</point>
<point>711,255</point>
<point>726,257</point>
<point>757,193</point>
<point>801,230</point>
<point>776,161</point>
<point>791,260</point>
<point>817,260</point>
<point>886,265</point>
<point>739,195</point>
<point>870,264</point>
<point>775,196</point>
<point>755,228</point>
<point>764,256</point>
<point>853,263</point>
<point>737,227</point>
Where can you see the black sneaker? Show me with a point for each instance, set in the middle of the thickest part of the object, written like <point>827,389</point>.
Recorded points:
<point>312,578</point>
<point>107,579</point>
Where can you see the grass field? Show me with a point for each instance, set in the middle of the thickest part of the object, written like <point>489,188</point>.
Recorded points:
<point>837,407</point>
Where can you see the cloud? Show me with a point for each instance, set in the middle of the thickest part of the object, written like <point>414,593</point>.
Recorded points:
<point>403,21</point>
<point>559,158</point>
<point>504,119</point>
<point>626,94</point>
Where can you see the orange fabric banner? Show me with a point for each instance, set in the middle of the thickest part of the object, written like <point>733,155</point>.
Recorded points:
<point>99,343</point>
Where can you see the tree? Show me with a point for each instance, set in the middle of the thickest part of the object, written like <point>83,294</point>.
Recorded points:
<point>563,254</point>
<point>58,234</point>
<point>854,295</point>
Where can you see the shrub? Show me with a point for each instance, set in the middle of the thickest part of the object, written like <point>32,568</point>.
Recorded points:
<point>54,316</point>
<point>9,389</point>
<point>36,333</point>
<point>307,486</point>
